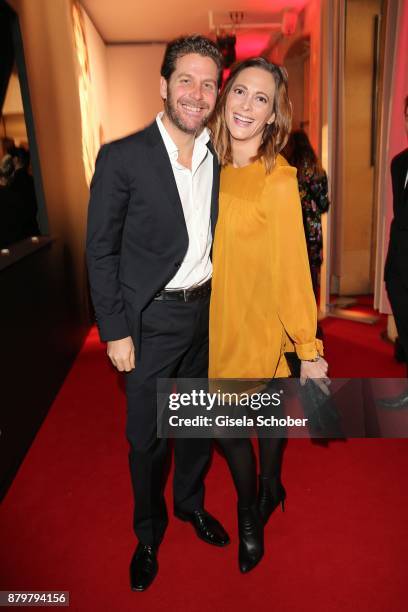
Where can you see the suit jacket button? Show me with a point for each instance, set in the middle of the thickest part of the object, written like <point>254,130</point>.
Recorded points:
<point>177,264</point>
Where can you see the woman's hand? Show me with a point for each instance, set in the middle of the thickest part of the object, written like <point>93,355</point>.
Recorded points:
<point>316,370</point>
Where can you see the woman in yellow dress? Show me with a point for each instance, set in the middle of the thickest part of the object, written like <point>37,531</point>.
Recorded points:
<point>262,302</point>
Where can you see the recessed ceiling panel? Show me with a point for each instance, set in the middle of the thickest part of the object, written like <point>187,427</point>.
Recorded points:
<point>137,20</point>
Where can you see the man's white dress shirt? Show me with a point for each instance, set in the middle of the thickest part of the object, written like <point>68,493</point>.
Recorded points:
<point>194,187</point>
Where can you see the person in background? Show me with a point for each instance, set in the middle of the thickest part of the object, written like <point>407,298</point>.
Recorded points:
<point>10,226</point>
<point>313,189</point>
<point>23,185</point>
<point>396,265</point>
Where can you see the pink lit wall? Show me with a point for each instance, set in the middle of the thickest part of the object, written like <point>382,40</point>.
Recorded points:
<point>398,138</point>
<point>251,43</point>
<point>309,25</point>
<point>312,26</point>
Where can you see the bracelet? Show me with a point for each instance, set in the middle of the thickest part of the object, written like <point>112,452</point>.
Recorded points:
<point>312,360</point>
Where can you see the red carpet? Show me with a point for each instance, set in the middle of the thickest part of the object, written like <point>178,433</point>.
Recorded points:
<point>340,545</point>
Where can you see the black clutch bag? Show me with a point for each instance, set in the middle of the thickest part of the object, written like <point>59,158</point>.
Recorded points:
<point>324,420</point>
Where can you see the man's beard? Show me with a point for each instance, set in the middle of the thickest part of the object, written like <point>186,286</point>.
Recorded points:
<point>174,116</point>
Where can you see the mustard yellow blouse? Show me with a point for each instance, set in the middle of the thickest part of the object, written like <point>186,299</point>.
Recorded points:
<point>262,301</point>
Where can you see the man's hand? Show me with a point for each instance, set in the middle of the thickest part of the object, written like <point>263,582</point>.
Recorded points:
<point>317,371</point>
<point>122,354</point>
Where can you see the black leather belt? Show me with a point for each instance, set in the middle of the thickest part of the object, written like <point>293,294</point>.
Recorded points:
<point>185,295</point>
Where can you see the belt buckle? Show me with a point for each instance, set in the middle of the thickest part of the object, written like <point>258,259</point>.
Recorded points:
<point>185,296</point>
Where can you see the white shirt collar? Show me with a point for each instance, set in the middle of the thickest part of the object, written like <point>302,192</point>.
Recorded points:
<point>169,143</point>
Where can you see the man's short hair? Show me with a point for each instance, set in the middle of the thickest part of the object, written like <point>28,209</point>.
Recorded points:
<point>190,44</point>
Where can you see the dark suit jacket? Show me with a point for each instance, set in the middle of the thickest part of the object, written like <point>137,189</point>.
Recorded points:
<point>397,257</point>
<point>137,237</point>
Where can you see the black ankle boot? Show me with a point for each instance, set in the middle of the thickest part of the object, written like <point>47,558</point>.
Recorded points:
<point>251,542</point>
<point>271,493</point>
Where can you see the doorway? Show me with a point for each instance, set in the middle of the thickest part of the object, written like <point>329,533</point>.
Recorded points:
<point>354,223</point>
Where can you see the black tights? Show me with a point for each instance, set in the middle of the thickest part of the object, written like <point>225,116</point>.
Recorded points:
<point>240,457</point>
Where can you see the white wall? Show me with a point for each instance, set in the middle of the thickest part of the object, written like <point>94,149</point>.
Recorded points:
<point>133,86</point>
<point>125,83</point>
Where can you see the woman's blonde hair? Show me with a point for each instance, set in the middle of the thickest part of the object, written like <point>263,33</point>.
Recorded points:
<point>275,134</point>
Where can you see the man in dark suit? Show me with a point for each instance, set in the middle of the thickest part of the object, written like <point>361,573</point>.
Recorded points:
<point>396,267</point>
<point>152,215</point>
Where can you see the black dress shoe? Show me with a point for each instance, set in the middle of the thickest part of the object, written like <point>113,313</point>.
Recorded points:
<point>251,538</point>
<point>395,403</point>
<point>143,567</point>
<point>206,526</point>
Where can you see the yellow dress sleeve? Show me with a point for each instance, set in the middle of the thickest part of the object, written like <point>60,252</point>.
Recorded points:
<point>295,300</point>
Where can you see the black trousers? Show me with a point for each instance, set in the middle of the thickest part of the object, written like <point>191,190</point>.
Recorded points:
<point>398,295</point>
<point>174,344</point>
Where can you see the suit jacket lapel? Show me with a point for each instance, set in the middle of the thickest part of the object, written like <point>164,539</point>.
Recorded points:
<point>161,163</point>
<point>215,188</point>
<point>403,175</point>
<point>404,170</point>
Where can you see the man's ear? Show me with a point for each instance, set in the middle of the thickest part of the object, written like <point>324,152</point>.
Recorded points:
<point>271,119</point>
<point>163,88</point>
